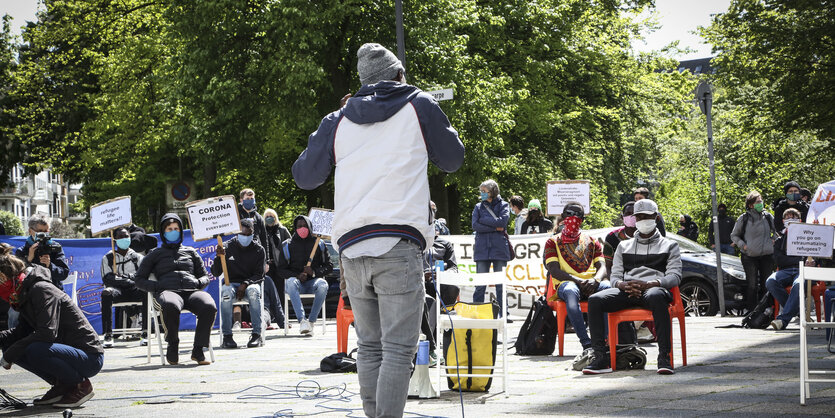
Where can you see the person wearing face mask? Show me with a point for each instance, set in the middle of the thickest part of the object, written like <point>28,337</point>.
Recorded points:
<point>687,228</point>
<point>53,340</point>
<point>248,209</point>
<point>644,268</point>
<point>489,221</point>
<point>180,280</point>
<point>535,222</point>
<point>787,275</point>
<point>643,193</point>
<point>245,261</point>
<point>119,285</point>
<point>754,234</point>
<point>517,206</point>
<point>273,285</point>
<point>610,244</point>
<point>303,278</point>
<point>793,200</point>
<point>726,225</point>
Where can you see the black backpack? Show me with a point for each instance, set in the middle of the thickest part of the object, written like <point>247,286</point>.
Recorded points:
<point>760,317</point>
<point>538,335</point>
<point>339,363</point>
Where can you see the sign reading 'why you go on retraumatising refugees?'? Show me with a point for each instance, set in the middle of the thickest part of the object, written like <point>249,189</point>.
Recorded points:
<point>214,216</point>
<point>110,214</point>
<point>812,240</point>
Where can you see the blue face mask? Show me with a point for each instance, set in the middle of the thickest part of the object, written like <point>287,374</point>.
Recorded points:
<point>245,240</point>
<point>484,195</point>
<point>172,236</point>
<point>249,204</point>
<point>794,197</point>
<point>123,243</point>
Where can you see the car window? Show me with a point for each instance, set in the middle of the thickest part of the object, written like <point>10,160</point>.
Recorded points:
<point>687,246</point>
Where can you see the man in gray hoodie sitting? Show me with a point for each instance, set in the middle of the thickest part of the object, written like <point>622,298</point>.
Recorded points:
<point>643,269</point>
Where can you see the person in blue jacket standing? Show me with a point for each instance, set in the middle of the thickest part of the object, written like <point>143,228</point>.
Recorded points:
<point>491,249</point>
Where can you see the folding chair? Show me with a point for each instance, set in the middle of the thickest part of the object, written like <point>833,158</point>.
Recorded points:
<point>242,302</point>
<point>125,329</point>
<point>72,280</point>
<point>823,275</point>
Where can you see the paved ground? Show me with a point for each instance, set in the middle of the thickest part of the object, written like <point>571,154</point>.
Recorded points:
<point>730,372</point>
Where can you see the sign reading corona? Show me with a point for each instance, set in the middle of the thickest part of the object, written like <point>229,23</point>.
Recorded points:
<point>213,217</point>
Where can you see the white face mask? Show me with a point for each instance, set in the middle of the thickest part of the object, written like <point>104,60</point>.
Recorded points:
<point>645,226</point>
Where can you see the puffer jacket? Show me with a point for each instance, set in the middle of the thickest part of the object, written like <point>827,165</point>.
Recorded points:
<point>491,244</point>
<point>176,266</point>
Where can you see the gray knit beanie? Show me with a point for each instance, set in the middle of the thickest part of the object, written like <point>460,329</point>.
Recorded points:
<point>375,63</point>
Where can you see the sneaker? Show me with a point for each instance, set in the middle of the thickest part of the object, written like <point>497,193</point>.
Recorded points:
<point>143,342</point>
<point>246,325</point>
<point>778,324</point>
<point>433,358</point>
<point>255,340</point>
<point>198,356</point>
<point>76,396</point>
<point>583,359</point>
<point>172,354</point>
<point>664,365</point>
<point>645,335</point>
<point>108,341</point>
<point>54,394</point>
<point>305,328</point>
<point>236,326</point>
<point>229,342</point>
<point>599,365</point>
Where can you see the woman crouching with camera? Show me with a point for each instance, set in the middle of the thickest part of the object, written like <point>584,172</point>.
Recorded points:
<point>53,339</point>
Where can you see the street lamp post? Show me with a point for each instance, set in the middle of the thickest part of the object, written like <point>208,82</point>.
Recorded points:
<point>704,95</point>
<point>401,43</point>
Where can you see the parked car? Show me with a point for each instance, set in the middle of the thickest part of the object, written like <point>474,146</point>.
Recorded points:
<point>698,277</point>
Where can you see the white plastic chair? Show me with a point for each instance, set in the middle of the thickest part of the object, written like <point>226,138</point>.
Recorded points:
<point>72,279</point>
<point>125,329</point>
<point>242,302</point>
<point>806,323</point>
<point>155,317</point>
<point>303,296</point>
<point>446,322</point>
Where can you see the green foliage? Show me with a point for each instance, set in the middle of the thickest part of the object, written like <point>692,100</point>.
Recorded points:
<point>11,223</point>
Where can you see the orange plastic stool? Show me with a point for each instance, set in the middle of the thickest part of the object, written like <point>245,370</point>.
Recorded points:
<point>344,318</point>
<point>640,314</point>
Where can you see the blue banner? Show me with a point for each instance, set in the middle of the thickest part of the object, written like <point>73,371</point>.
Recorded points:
<point>84,258</point>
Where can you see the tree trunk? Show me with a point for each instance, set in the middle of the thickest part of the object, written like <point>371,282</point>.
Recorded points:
<point>209,178</point>
<point>454,209</point>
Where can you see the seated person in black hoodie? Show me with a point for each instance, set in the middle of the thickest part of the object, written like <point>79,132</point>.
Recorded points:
<point>301,277</point>
<point>53,339</point>
<point>180,276</point>
<point>119,286</point>
<point>788,274</point>
<point>245,263</point>
<point>535,222</point>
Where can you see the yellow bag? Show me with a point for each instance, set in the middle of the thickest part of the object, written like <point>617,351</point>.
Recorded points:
<point>471,347</point>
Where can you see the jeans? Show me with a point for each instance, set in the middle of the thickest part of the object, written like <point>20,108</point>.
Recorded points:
<point>58,363</point>
<point>387,297</point>
<point>13,318</point>
<point>484,267</point>
<point>656,299</point>
<point>319,287</point>
<point>757,269</point>
<point>110,295</point>
<point>198,302</point>
<point>228,297</point>
<point>776,285</point>
<point>727,249</point>
<point>570,294</point>
<point>272,300</point>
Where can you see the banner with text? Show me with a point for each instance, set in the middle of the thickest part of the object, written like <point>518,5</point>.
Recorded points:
<point>109,215</point>
<point>810,240</point>
<point>561,192</point>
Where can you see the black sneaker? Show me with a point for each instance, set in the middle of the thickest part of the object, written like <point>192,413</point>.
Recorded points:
<point>172,354</point>
<point>55,394</point>
<point>664,365</point>
<point>599,365</point>
<point>255,340</point>
<point>198,356</point>
<point>229,342</point>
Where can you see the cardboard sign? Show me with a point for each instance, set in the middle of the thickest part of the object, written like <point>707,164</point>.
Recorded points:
<point>810,240</point>
<point>110,214</point>
<point>213,217</point>
<point>560,192</point>
<point>322,222</point>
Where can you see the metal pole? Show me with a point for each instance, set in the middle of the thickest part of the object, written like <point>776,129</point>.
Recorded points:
<point>401,43</point>
<point>705,97</point>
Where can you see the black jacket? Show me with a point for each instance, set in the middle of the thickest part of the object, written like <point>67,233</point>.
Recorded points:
<point>126,268</point>
<point>691,230</point>
<point>726,226</point>
<point>258,221</point>
<point>800,205</point>
<point>176,267</point>
<point>47,315</point>
<point>299,253</point>
<point>782,260</point>
<point>276,234</point>
<point>57,261</point>
<point>542,225</point>
<point>441,250</point>
<point>245,264</point>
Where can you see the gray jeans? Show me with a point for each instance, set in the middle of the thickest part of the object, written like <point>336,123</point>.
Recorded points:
<point>386,295</point>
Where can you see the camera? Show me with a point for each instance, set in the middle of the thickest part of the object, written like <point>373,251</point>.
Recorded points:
<point>45,244</point>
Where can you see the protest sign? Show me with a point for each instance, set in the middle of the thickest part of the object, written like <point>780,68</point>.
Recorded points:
<point>322,220</point>
<point>110,214</point>
<point>810,240</point>
<point>822,208</point>
<point>214,217</point>
<point>560,192</point>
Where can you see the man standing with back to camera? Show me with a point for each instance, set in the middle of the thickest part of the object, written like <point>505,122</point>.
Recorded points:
<point>386,134</point>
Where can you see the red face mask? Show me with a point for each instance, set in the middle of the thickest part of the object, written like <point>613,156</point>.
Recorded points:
<point>571,229</point>
<point>10,289</point>
<point>303,232</point>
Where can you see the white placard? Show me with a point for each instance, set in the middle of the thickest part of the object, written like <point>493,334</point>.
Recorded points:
<point>811,240</point>
<point>560,192</point>
<point>443,94</point>
<point>322,222</point>
<point>213,217</point>
<point>110,214</point>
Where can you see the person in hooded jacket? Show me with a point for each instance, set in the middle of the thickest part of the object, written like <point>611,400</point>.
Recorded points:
<point>788,274</point>
<point>793,200</point>
<point>119,285</point>
<point>687,228</point>
<point>489,221</point>
<point>53,339</point>
<point>536,222</point>
<point>273,285</point>
<point>180,278</point>
<point>303,278</point>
